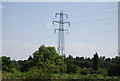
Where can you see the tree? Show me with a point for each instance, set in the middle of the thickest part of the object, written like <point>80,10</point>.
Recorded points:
<point>0,64</point>
<point>95,62</point>
<point>47,58</point>
<point>30,57</point>
<point>114,68</point>
<point>71,66</point>
<point>38,73</point>
<point>6,63</point>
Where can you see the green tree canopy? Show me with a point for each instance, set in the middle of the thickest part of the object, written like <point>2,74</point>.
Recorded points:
<point>47,58</point>
<point>95,62</point>
<point>6,63</point>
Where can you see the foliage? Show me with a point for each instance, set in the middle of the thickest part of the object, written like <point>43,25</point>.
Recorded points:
<point>88,77</point>
<point>102,71</point>
<point>95,62</point>
<point>114,70</point>
<point>38,73</point>
<point>86,71</point>
<point>46,57</point>
<point>6,63</point>
<point>13,70</point>
<point>71,67</point>
<point>45,63</point>
<point>0,64</point>
<point>18,75</point>
<point>59,77</point>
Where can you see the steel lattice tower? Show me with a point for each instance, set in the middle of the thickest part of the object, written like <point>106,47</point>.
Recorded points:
<point>61,43</point>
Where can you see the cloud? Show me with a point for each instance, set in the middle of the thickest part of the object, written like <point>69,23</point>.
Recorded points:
<point>18,50</point>
<point>21,50</point>
<point>2,6</point>
<point>48,25</point>
<point>11,18</point>
<point>87,50</point>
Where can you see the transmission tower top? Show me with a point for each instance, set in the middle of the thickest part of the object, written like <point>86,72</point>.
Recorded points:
<point>61,41</point>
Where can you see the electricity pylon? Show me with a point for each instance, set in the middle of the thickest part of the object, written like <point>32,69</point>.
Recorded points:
<point>61,43</point>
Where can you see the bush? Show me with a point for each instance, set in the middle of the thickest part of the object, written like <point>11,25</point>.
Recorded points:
<point>102,72</point>
<point>114,70</point>
<point>38,73</point>
<point>86,71</point>
<point>13,70</point>
<point>18,75</point>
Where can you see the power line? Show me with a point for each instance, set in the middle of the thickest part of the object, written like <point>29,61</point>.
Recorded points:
<point>96,19</point>
<point>102,10</point>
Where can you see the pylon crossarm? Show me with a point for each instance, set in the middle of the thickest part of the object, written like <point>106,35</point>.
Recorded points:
<point>66,23</point>
<point>55,30</point>
<point>57,14</point>
<point>66,15</point>
<point>55,22</point>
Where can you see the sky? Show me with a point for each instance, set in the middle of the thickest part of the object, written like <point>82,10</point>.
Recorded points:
<point>27,25</point>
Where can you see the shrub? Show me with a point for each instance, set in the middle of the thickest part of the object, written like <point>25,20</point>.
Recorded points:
<point>38,73</point>
<point>13,70</point>
<point>86,71</point>
<point>102,72</point>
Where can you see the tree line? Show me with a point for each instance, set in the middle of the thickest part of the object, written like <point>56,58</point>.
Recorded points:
<point>46,61</point>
